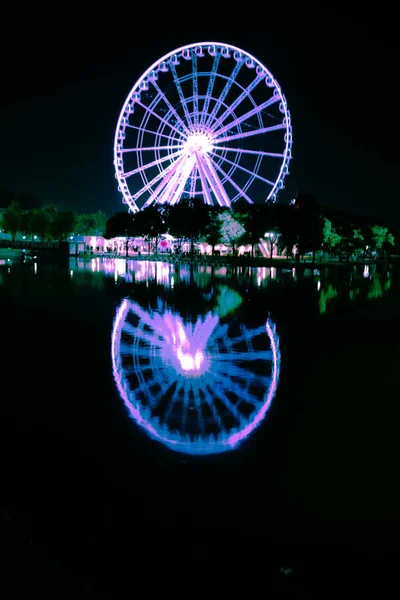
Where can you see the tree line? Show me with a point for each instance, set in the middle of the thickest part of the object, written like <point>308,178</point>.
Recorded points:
<point>47,223</point>
<point>299,228</point>
<point>302,227</point>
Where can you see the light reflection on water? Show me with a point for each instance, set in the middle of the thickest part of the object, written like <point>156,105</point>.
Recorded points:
<point>182,378</point>
<point>199,388</point>
<point>362,281</point>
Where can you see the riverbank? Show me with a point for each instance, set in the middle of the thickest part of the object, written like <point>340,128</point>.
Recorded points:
<point>238,261</point>
<point>13,254</point>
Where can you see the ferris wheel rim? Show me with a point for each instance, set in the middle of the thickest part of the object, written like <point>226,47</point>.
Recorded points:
<point>217,46</point>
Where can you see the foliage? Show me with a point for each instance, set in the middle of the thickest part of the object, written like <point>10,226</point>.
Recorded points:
<point>231,231</point>
<point>255,223</point>
<point>90,224</point>
<point>119,225</point>
<point>212,232</point>
<point>331,238</point>
<point>382,239</point>
<point>188,220</point>
<point>11,219</point>
<point>149,223</point>
<point>62,225</point>
<point>38,222</point>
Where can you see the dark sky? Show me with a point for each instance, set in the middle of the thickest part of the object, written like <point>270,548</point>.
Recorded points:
<point>65,80</point>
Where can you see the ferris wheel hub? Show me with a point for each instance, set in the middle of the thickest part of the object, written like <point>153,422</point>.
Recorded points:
<point>199,141</point>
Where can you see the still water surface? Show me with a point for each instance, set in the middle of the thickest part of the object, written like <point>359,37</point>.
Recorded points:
<point>173,402</point>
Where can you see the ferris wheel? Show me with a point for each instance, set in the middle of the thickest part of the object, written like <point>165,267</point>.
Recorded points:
<point>199,388</point>
<point>207,120</point>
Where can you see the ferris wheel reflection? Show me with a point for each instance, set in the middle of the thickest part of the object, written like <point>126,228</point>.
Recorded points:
<point>199,388</point>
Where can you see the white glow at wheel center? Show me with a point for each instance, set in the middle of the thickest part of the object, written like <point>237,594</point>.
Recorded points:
<point>198,142</point>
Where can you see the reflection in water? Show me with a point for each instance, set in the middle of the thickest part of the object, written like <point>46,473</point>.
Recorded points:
<point>198,388</point>
<point>325,296</point>
<point>369,284</point>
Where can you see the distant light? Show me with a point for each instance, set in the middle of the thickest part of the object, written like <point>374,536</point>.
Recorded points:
<point>71,237</point>
<point>24,237</point>
<point>34,237</point>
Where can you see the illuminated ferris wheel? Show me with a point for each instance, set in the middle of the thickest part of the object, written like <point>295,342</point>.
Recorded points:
<point>206,120</point>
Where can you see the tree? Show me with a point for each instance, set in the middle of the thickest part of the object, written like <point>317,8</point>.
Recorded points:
<point>90,223</point>
<point>212,231</point>
<point>187,220</point>
<point>254,222</point>
<point>382,239</point>
<point>119,225</point>
<point>272,239</point>
<point>39,221</point>
<point>231,231</point>
<point>149,223</point>
<point>11,219</point>
<point>331,239</point>
<point>100,222</point>
<point>62,225</point>
<point>309,225</point>
<point>287,225</point>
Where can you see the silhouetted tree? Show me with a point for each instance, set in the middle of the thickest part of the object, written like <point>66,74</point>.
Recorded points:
<point>90,223</point>
<point>11,219</point>
<point>39,222</point>
<point>212,232</point>
<point>188,220</point>
<point>62,225</point>
<point>119,225</point>
<point>150,224</point>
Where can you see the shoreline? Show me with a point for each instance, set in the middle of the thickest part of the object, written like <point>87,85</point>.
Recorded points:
<point>239,261</point>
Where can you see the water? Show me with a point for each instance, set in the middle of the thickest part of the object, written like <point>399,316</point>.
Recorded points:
<point>108,453</point>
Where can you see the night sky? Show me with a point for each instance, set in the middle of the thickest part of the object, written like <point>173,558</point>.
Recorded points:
<point>64,83</point>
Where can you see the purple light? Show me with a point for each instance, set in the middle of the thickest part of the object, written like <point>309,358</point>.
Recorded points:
<point>170,130</point>
<point>193,387</point>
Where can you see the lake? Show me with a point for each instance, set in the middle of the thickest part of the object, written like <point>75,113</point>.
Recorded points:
<point>166,418</point>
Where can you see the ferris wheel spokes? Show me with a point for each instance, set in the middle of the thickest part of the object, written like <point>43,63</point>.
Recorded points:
<point>204,185</point>
<point>210,88</point>
<point>149,110</point>
<point>239,136</point>
<point>193,182</point>
<point>180,93</point>
<point>168,172</point>
<point>195,89</point>
<point>152,148</point>
<point>232,182</point>
<point>173,194</point>
<point>219,191</point>
<point>165,177</point>
<point>171,108</point>
<point>246,92</point>
<point>154,163</point>
<point>256,152</point>
<point>224,93</point>
<point>244,169</point>
<point>144,130</point>
<point>246,116</point>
